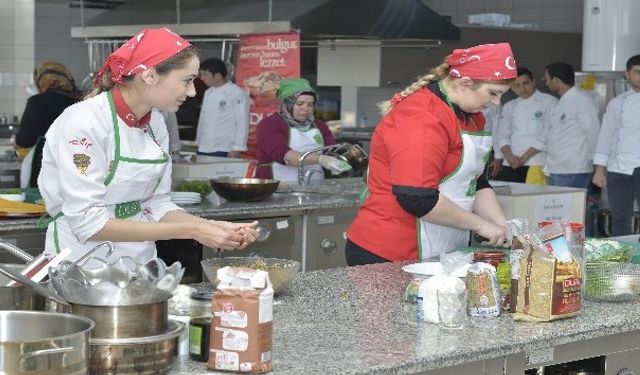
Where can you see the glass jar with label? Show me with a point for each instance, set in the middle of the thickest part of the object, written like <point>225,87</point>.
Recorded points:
<point>199,336</point>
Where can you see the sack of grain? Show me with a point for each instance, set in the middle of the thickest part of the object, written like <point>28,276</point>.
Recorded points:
<point>550,278</point>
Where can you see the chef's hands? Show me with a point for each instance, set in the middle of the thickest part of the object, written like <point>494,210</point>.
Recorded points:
<point>227,235</point>
<point>515,162</point>
<point>600,176</point>
<point>496,235</point>
<point>333,164</point>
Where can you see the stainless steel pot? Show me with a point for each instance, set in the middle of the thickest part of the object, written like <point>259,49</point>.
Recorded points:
<point>148,355</point>
<point>33,343</point>
<point>19,297</point>
<point>113,322</point>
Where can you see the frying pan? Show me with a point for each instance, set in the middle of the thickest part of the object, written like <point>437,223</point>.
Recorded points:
<point>244,189</point>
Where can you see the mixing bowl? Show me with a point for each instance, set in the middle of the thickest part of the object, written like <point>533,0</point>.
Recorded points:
<point>281,271</point>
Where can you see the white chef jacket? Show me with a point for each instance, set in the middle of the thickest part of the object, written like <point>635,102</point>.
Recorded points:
<point>223,124</point>
<point>570,134</point>
<point>522,121</point>
<point>617,147</point>
<point>83,197</point>
<point>491,118</point>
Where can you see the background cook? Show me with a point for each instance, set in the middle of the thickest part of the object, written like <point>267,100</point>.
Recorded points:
<point>287,134</point>
<point>106,169</point>
<point>426,183</point>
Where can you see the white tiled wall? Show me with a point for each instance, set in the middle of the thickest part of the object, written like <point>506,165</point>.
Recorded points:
<point>16,53</point>
<point>545,15</point>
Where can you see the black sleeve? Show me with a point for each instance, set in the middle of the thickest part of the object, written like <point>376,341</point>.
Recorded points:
<point>416,201</point>
<point>32,125</point>
<point>482,182</point>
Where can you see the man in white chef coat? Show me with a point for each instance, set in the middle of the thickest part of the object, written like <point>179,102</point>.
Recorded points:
<point>521,123</point>
<point>223,125</point>
<point>570,133</point>
<point>617,157</point>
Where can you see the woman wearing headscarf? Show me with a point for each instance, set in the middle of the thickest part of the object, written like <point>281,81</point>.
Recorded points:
<point>106,169</point>
<point>426,184</point>
<point>285,135</point>
<point>56,91</point>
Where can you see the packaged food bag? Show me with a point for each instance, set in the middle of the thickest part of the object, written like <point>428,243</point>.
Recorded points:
<point>550,277</point>
<point>484,293</point>
<point>428,291</point>
<point>241,328</point>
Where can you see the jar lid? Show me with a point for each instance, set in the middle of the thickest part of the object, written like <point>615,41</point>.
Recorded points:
<point>202,295</point>
<point>489,255</point>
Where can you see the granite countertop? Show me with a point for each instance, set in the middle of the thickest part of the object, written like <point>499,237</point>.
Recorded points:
<point>353,321</point>
<point>335,193</point>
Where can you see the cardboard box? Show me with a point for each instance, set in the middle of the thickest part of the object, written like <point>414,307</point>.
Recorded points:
<point>210,167</point>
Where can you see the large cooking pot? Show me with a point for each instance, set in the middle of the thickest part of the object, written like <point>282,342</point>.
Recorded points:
<point>19,297</point>
<point>43,343</point>
<point>244,189</point>
<point>125,321</point>
<point>149,355</point>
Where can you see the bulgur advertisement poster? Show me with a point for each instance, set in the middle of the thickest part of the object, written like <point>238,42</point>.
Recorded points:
<point>264,59</point>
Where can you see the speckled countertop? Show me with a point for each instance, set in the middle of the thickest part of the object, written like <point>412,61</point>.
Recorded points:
<point>334,193</point>
<point>353,321</point>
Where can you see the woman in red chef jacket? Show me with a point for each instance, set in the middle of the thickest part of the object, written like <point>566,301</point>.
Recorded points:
<point>426,187</point>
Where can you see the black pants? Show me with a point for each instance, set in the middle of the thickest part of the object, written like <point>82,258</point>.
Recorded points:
<point>357,256</point>
<point>513,175</point>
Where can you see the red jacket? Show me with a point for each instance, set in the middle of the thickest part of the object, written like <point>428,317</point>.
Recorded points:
<point>416,144</point>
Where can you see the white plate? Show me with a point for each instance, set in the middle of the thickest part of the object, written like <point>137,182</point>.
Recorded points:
<point>182,194</point>
<point>13,197</point>
<point>186,201</point>
<point>431,269</point>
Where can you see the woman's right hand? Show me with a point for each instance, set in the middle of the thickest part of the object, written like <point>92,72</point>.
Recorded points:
<point>496,235</point>
<point>226,237</point>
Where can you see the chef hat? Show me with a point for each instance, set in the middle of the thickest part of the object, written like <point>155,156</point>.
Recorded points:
<point>145,50</point>
<point>487,62</point>
<point>290,87</point>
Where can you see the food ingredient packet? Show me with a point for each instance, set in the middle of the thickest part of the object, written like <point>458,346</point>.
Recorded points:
<point>428,293</point>
<point>550,277</point>
<point>241,328</point>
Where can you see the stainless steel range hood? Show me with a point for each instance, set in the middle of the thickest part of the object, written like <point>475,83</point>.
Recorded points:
<point>316,19</point>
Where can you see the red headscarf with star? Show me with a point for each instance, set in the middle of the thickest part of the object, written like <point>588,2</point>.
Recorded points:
<point>145,50</point>
<point>487,62</point>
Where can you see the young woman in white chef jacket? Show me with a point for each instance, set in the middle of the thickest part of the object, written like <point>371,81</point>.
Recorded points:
<point>106,169</point>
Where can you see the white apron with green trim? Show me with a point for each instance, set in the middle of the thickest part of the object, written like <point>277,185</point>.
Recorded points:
<point>133,178</point>
<point>301,141</point>
<point>460,188</point>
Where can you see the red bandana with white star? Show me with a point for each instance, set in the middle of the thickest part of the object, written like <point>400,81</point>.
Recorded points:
<point>145,50</point>
<point>487,62</point>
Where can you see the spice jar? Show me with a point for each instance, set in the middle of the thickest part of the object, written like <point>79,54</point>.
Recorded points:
<point>503,271</point>
<point>201,303</point>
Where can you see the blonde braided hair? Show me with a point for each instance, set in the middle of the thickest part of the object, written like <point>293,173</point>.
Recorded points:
<point>437,73</point>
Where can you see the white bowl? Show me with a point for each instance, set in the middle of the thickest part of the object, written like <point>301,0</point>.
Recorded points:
<point>13,197</point>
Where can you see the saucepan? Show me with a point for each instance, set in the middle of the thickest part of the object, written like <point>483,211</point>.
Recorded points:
<point>244,189</point>
<point>18,297</point>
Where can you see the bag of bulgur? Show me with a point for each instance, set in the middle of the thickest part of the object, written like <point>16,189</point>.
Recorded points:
<point>550,277</point>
